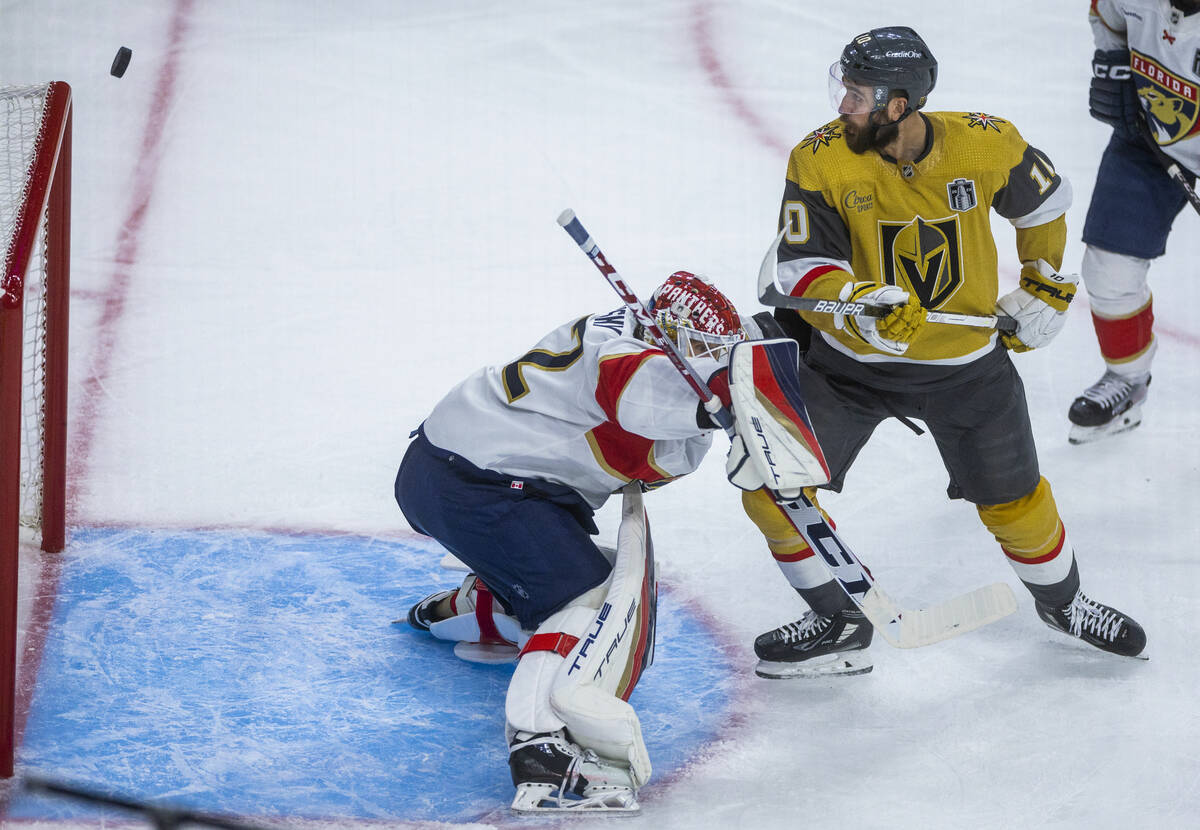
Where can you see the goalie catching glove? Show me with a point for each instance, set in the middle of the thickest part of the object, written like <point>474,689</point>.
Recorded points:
<point>1039,306</point>
<point>891,334</point>
<point>773,445</point>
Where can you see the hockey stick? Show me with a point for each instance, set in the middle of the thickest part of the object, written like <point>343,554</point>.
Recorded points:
<point>1170,165</point>
<point>901,627</point>
<point>769,294</point>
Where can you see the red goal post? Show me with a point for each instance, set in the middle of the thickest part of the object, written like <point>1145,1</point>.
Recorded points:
<point>35,224</point>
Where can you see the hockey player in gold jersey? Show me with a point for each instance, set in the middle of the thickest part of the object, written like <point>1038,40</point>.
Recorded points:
<point>890,205</point>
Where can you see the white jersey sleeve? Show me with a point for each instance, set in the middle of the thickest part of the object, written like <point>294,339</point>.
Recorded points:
<point>1108,25</point>
<point>1164,47</point>
<point>590,407</point>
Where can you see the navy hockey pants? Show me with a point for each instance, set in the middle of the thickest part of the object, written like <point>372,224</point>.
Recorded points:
<point>528,540</point>
<point>1134,202</point>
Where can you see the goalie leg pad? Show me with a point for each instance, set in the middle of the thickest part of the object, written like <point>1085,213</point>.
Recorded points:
<point>478,618</point>
<point>603,669</point>
<point>580,674</point>
<point>527,703</point>
<point>771,418</point>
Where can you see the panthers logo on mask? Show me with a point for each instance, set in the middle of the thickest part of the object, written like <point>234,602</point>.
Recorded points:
<point>1169,101</point>
<point>924,257</point>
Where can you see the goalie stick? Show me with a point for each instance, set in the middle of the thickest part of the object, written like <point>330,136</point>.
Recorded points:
<point>769,294</point>
<point>901,627</point>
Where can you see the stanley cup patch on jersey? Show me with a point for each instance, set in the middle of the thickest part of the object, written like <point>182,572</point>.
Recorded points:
<point>1169,101</point>
<point>922,256</point>
<point>961,193</point>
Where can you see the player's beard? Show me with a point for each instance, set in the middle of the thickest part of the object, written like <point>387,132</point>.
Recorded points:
<point>873,137</point>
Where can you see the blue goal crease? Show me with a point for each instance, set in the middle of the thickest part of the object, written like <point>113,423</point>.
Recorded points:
<point>260,674</point>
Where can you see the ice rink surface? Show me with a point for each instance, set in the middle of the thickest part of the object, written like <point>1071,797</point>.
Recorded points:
<point>297,224</point>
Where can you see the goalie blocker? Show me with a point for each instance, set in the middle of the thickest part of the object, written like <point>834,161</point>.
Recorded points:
<point>774,446</point>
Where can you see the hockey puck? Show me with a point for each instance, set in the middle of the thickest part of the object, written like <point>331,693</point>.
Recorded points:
<point>121,61</point>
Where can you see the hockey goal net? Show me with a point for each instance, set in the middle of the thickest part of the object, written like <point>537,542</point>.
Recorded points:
<point>35,207</point>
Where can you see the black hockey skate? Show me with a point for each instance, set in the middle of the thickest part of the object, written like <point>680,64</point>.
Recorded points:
<point>1105,628</point>
<point>424,613</point>
<point>553,774</point>
<point>1111,405</point>
<point>815,646</point>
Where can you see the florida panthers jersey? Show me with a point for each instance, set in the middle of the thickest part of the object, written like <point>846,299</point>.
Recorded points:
<point>1164,58</point>
<point>590,407</point>
<point>924,225</point>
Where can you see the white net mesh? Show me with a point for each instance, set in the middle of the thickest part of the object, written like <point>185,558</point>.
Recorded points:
<point>22,108</point>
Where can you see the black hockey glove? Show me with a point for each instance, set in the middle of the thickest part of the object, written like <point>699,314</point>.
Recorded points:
<point>1112,97</point>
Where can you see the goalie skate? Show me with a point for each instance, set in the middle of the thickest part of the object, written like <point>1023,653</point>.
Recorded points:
<point>552,774</point>
<point>1109,406</point>
<point>816,646</point>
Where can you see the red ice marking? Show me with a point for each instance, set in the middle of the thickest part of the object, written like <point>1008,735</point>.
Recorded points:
<point>84,425</point>
<point>702,34</point>
<point>128,242</point>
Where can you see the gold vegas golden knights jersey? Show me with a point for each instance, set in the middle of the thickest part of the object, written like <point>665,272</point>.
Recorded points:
<point>924,225</point>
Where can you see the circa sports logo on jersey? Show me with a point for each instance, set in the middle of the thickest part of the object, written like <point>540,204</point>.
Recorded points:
<point>1169,101</point>
<point>821,137</point>
<point>858,202</point>
<point>924,256</point>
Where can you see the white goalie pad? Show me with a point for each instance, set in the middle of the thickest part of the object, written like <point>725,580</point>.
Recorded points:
<point>601,671</point>
<point>770,416</point>
<point>480,629</point>
<point>585,688</point>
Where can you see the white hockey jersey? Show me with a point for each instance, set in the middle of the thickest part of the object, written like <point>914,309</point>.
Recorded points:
<point>590,407</point>
<point>1164,47</point>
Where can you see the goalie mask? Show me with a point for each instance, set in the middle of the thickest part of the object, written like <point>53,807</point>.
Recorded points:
<point>695,316</point>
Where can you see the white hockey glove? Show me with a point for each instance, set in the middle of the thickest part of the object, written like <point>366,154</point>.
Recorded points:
<point>1039,306</point>
<point>891,334</point>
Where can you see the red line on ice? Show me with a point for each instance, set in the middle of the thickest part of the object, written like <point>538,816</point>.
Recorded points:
<point>702,34</point>
<point>113,299</point>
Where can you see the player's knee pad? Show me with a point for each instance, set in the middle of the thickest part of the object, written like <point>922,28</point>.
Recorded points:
<point>580,666</point>
<point>478,618</point>
<point>1116,283</point>
<point>1032,535</point>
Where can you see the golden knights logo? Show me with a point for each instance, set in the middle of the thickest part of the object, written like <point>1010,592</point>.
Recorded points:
<point>924,257</point>
<point>984,121</point>
<point>821,137</point>
<point>1169,101</point>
